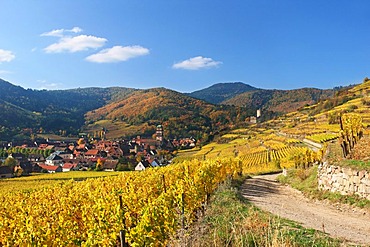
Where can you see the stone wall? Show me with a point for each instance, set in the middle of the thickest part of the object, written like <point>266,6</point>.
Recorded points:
<point>344,180</point>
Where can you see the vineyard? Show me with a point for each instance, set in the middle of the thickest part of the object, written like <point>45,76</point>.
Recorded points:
<point>154,204</point>
<point>323,137</point>
<point>261,151</point>
<point>34,182</point>
<point>148,208</point>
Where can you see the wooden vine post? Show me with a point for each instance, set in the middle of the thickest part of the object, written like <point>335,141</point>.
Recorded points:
<point>122,233</point>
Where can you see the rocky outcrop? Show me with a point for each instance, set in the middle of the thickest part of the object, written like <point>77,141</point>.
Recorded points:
<point>344,180</point>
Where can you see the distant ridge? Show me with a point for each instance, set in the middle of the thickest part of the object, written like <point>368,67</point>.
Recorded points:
<point>270,100</point>
<point>219,92</point>
<point>279,101</point>
<point>130,112</point>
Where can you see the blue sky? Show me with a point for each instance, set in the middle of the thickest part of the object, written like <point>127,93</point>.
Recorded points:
<point>184,45</point>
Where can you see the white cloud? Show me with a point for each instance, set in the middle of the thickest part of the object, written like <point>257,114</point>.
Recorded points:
<point>77,43</point>
<point>118,54</point>
<point>2,72</point>
<point>196,63</point>
<point>76,30</point>
<point>61,32</point>
<point>6,56</point>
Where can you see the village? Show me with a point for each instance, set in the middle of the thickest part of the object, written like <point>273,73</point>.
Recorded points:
<point>90,155</point>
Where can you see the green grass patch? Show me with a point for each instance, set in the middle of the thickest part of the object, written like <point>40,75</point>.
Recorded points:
<point>230,220</point>
<point>356,164</point>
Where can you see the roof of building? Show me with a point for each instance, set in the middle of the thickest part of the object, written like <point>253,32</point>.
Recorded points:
<point>69,165</point>
<point>110,164</point>
<point>54,156</point>
<point>49,168</point>
<point>92,152</point>
<point>145,163</point>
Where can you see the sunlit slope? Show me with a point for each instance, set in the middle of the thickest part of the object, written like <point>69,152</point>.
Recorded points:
<point>180,115</point>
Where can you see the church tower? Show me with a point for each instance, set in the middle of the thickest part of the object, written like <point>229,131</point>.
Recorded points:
<point>159,133</point>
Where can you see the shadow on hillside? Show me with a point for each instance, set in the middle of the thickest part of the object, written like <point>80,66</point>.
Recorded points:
<point>259,187</point>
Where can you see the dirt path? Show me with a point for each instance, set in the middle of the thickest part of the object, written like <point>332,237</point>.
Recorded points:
<point>339,221</point>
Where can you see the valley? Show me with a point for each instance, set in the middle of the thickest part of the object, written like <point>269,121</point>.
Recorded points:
<point>188,149</point>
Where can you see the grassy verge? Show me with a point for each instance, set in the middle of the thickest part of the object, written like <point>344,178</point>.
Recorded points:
<point>359,161</point>
<point>356,164</point>
<point>231,221</point>
<point>306,181</point>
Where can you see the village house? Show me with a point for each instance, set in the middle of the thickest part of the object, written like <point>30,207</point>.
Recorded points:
<point>77,154</point>
<point>103,145</point>
<point>45,146</point>
<point>54,160</point>
<point>110,165</point>
<point>36,158</point>
<point>114,151</point>
<point>92,154</point>
<point>51,168</point>
<point>60,147</point>
<point>153,162</point>
<point>68,167</point>
<point>142,165</point>
<point>67,154</point>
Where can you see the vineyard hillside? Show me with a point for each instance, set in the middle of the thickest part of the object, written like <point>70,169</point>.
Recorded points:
<point>296,138</point>
<point>322,118</point>
<point>151,207</point>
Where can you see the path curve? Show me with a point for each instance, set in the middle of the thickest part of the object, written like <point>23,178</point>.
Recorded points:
<point>340,221</point>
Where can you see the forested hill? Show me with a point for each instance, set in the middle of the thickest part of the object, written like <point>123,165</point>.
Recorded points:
<point>280,101</point>
<point>220,92</point>
<point>180,114</point>
<point>128,111</point>
<point>52,110</point>
<point>272,102</point>
<point>49,100</point>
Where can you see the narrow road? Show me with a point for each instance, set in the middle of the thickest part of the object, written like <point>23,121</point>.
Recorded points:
<point>338,221</point>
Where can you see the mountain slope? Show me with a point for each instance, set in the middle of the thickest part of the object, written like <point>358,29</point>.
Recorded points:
<point>279,101</point>
<point>219,92</point>
<point>51,110</point>
<point>181,115</point>
<point>127,111</point>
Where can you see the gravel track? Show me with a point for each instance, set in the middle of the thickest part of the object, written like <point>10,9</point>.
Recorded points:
<point>340,221</point>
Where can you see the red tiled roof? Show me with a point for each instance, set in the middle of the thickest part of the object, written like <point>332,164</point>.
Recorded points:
<point>68,166</point>
<point>81,146</point>
<point>92,152</point>
<point>43,146</point>
<point>49,168</point>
